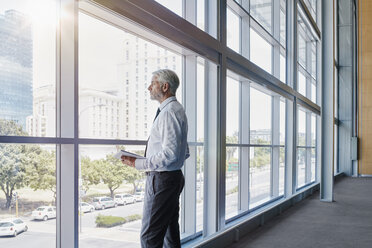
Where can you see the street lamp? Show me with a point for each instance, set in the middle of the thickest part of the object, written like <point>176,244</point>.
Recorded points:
<point>80,178</point>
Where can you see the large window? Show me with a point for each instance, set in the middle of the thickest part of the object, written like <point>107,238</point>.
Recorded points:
<point>255,139</point>
<point>74,90</point>
<point>28,188</point>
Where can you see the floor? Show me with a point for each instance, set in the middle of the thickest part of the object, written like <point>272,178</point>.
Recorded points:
<point>346,222</point>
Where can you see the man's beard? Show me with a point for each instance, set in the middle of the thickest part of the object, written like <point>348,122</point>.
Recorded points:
<point>157,96</point>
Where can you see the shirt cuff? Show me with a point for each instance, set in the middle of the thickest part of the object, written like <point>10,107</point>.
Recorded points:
<point>140,164</point>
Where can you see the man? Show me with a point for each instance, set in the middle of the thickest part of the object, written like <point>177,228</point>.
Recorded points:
<point>165,154</point>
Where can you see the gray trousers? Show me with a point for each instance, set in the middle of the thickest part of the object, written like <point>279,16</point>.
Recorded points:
<point>161,210</point>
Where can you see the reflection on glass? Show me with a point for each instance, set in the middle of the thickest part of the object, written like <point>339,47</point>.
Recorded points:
<point>301,50</point>
<point>114,102</point>
<point>261,11</point>
<point>27,66</point>
<point>199,188</point>
<point>301,84</point>
<point>108,188</point>
<point>233,30</point>
<point>260,117</point>
<point>232,111</point>
<point>260,51</point>
<point>301,135</point>
<point>311,5</point>
<point>173,5</point>
<point>259,175</point>
<point>301,167</point>
<point>28,194</point>
<point>232,181</point>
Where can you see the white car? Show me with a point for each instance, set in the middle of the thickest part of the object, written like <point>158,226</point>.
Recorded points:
<point>124,199</point>
<point>44,213</point>
<point>139,196</point>
<point>12,227</point>
<point>86,207</point>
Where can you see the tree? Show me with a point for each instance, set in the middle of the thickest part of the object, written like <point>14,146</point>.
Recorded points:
<point>90,173</point>
<point>41,169</point>
<point>12,168</point>
<point>112,172</point>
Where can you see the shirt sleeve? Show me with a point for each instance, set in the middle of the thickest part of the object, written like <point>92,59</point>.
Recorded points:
<point>171,137</point>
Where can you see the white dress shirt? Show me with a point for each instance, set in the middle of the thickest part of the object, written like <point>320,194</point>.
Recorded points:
<point>167,146</point>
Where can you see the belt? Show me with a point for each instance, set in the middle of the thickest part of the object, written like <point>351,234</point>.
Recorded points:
<point>148,173</point>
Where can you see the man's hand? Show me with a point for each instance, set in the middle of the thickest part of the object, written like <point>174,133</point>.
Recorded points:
<point>130,161</point>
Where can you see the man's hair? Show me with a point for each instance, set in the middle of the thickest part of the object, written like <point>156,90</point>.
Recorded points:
<point>168,76</point>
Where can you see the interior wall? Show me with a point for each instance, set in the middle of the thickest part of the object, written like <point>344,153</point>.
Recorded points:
<point>365,87</point>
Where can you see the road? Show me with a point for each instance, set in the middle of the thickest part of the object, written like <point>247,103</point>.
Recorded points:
<point>42,234</point>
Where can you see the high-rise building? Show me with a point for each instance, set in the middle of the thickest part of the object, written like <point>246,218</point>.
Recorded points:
<point>16,47</point>
<point>141,59</point>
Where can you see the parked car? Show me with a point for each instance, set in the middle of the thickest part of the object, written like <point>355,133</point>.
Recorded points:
<point>86,207</point>
<point>139,196</point>
<point>12,227</point>
<point>103,202</point>
<point>44,213</point>
<point>124,199</point>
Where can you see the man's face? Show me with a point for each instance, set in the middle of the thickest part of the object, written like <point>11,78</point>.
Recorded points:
<point>155,89</point>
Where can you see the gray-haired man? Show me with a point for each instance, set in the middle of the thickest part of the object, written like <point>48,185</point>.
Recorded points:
<point>165,154</point>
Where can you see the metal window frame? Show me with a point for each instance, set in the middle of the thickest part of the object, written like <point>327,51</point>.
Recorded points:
<point>151,17</point>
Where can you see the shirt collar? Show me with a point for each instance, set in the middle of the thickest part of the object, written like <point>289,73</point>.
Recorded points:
<point>166,101</point>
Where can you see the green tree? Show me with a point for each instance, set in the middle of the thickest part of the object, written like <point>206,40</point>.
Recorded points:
<point>41,169</point>
<point>112,172</point>
<point>90,173</point>
<point>231,150</point>
<point>12,167</point>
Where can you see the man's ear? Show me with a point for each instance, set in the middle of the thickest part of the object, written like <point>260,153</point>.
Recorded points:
<point>165,87</point>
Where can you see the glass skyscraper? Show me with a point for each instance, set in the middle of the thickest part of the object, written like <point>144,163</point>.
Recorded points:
<point>16,45</point>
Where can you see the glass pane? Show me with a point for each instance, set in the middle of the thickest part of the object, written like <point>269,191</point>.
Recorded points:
<point>301,84</point>
<point>283,72</point>
<point>282,23</point>
<point>200,100</point>
<point>199,188</point>
<point>233,30</point>
<point>313,130</point>
<point>313,60</point>
<point>261,11</point>
<point>110,189</point>
<point>200,14</point>
<point>232,111</point>
<point>313,164</point>
<point>27,66</point>
<point>28,191</point>
<point>281,170</point>
<point>301,136</point>
<point>259,175</point>
<point>282,122</point>
<point>313,92</point>
<point>301,166</point>
<point>232,181</point>
<point>260,51</point>
<point>301,50</point>
<point>114,102</point>
<point>173,5</point>
<point>260,117</point>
